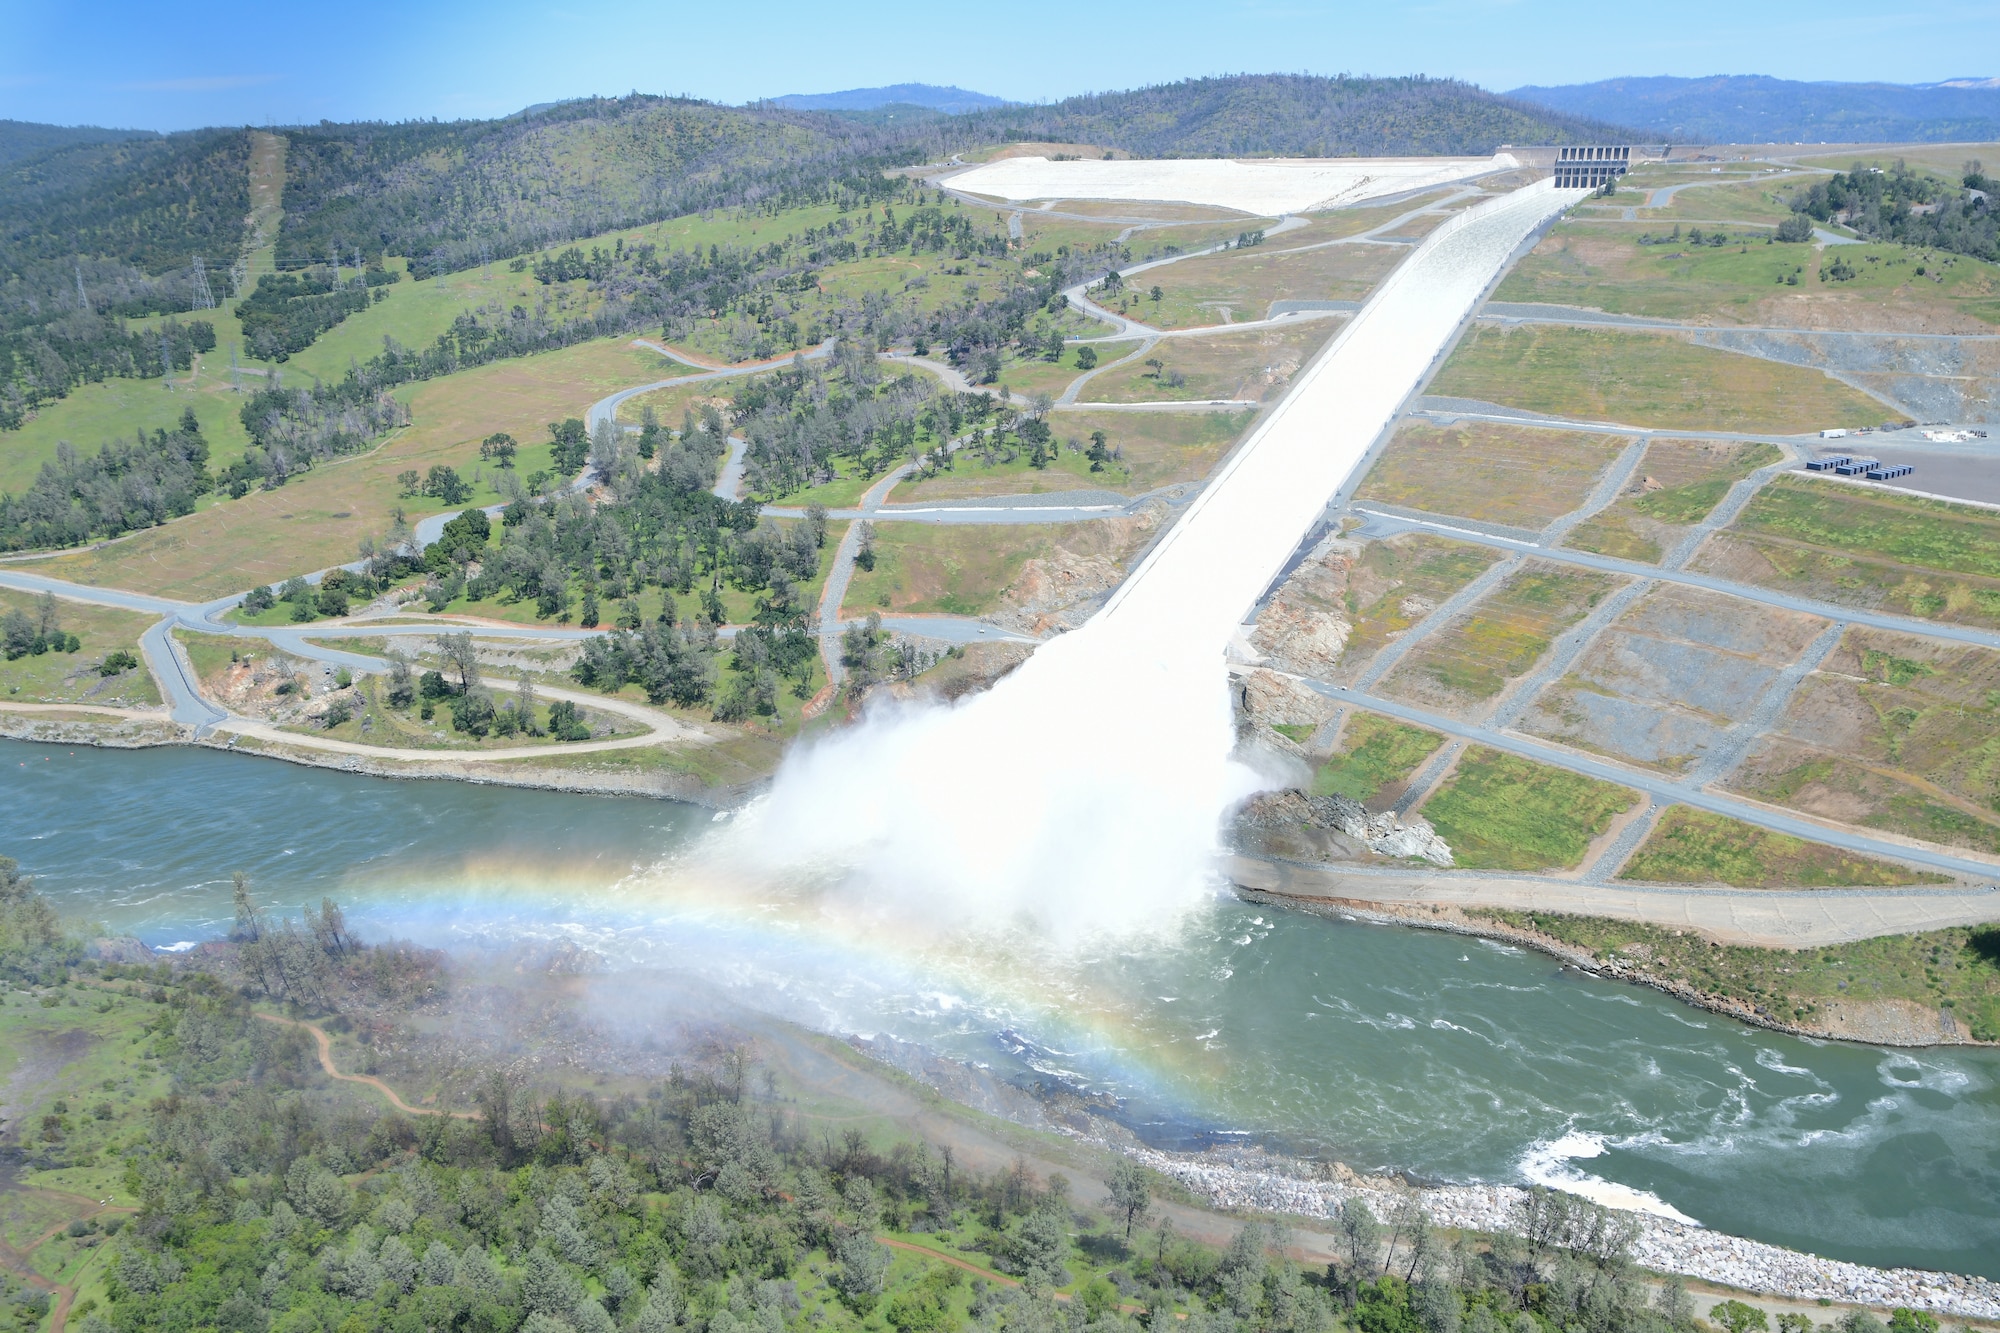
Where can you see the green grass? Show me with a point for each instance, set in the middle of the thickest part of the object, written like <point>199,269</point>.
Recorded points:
<point>49,678</point>
<point>115,408</point>
<point>1691,846</point>
<point>1646,379</point>
<point>1930,533</point>
<point>1376,753</point>
<point>1509,630</point>
<point>1957,969</point>
<point>1502,812</point>
<point>1501,474</point>
<point>1405,573</point>
<point>1601,265</point>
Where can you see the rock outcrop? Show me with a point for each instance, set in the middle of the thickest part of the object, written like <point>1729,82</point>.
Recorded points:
<point>1382,834</point>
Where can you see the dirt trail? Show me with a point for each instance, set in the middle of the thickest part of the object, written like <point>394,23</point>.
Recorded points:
<point>333,1071</point>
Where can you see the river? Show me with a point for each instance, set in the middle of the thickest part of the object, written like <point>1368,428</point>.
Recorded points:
<point>1387,1047</point>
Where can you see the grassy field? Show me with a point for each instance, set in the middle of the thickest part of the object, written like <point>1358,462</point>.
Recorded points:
<point>1956,969</point>
<point>1658,380</point>
<point>1156,449</point>
<point>1501,812</point>
<point>1481,470</point>
<point>1848,544</point>
<point>51,678</point>
<point>1746,201</point>
<point>1398,582</point>
<point>318,519</point>
<point>94,413</point>
<point>1503,635</point>
<point>1691,846</point>
<point>927,568</point>
<point>1677,484</point>
<point>1252,366</point>
<point>1195,292</point>
<point>1602,266</point>
<point>669,404</point>
<point>1377,757</point>
<point>1891,732</point>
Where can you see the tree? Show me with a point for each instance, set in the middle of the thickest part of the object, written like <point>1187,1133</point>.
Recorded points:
<point>1360,1240</point>
<point>444,484</point>
<point>1798,227</point>
<point>1130,1193</point>
<point>500,447</point>
<point>409,483</point>
<point>1736,1317</point>
<point>249,919</point>
<point>1157,295</point>
<point>1086,358</point>
<point>462,657</point>
<point>402,687</point>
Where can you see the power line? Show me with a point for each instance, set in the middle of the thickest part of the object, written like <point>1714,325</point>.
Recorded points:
<point>203,298</point>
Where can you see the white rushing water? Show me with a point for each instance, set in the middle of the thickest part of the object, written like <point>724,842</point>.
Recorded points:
<point>1083,792</point>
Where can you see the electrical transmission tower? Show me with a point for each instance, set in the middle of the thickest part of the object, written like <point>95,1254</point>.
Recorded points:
<point>82,301</point>
<point>166,364</point>
<point>235,381</point>
<point>203,298</point>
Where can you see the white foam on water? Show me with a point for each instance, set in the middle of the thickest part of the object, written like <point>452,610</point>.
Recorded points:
<point>1551,1163</point>
<point>1082,794</point>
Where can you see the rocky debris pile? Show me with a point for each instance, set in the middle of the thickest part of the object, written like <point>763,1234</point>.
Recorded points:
<point>1383,834</point>
<point>1664,1244</point>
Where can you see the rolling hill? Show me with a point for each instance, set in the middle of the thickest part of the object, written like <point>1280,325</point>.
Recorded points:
<point>1756,109</point>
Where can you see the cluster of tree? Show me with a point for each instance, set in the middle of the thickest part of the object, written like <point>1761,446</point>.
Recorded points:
<point>94,233</point>
<point>25,634</point>
<point>453,195</point>
<point>123,486</point>
<point>871,655</point>
<point>800,422</point>
<point>42,362</point>
<point>33,947</point>
<point>287,311</point>
<point>293,428</point>
<point>1909,208</point>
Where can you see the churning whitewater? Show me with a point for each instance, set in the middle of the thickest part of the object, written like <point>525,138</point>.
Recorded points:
<point>1083,793</point>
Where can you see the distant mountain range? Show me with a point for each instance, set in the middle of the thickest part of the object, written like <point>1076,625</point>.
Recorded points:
<point>1756,109</point>
<point>929,96</point>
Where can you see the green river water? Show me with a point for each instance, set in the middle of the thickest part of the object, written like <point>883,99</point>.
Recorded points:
<point>1390,1048</point>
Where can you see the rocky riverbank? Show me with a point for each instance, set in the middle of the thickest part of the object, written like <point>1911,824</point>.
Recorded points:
<point>1664,1245</point>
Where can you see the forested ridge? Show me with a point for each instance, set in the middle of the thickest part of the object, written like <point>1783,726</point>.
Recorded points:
<point>267,1199</point>
<point>92,234</point>
<point>1287,115</point>
<point>450,195</point>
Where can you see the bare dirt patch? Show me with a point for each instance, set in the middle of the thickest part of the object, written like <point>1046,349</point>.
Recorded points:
<point>1361,597</point>
<point>1463,666</point>
<point>1660,686</point>
<point>1483,470</point>
<point>1247,281</point>
<point>1893,732</point>
<point>1676,485</point>
<point>1253,367</point>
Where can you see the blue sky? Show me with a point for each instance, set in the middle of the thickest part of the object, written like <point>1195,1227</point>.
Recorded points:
<point>164,66</point>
